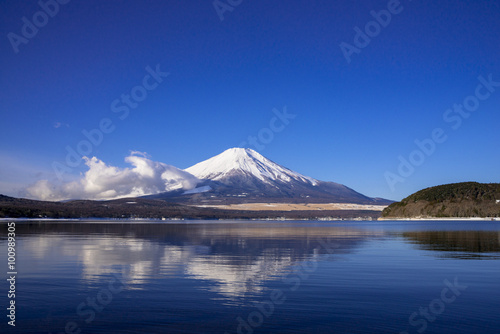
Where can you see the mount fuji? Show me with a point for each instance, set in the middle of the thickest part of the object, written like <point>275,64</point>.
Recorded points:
<point>241,175</point>
<point>237,164</point>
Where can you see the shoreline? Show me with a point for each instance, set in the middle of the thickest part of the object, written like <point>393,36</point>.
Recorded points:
<point>357,219</point>
<point>440,219</point>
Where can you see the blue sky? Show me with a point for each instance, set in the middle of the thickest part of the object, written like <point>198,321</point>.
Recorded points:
<point>353,120</point>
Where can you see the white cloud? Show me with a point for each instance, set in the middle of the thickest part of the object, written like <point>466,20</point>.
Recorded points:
<point>102,181</point>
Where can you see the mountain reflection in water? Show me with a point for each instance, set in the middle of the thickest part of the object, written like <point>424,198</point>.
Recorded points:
<point>237,258</point>
<point>202,276</point>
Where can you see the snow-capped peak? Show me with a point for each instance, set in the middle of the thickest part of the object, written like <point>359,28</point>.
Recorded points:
<point>248,161</point>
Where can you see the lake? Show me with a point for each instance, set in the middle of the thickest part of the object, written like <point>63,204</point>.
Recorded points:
<point>255,277</point>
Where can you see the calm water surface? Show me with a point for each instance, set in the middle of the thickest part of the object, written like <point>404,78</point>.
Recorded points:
<point>255,277</point>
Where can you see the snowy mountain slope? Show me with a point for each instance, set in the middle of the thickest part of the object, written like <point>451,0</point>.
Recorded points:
<point>247,162</point>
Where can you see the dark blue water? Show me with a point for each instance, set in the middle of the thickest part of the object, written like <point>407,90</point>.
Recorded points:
<point>255,277</point>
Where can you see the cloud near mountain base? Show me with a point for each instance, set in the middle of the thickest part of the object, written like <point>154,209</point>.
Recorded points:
<point>102,181</point>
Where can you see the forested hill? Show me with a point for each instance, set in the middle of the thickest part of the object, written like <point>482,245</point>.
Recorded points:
<point>466,199</point>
